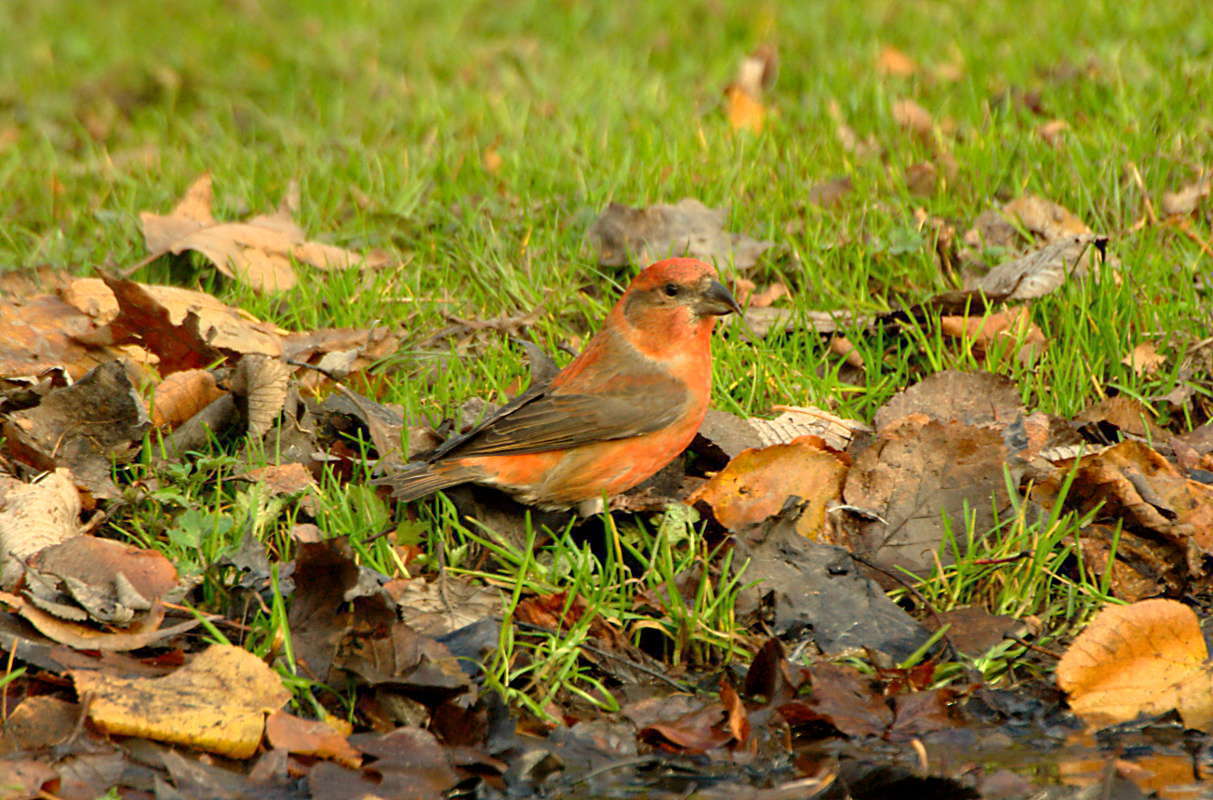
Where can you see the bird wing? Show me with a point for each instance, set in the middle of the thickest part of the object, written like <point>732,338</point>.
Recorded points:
<point>543,419</point>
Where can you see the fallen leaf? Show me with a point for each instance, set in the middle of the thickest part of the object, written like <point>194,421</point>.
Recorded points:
<point>757,483</point>
<point>1044,217</point>
<point>643,235</point>
<point>799,586</point>
<point>917,474</point>
<point>310,738</point>
<point>83,427</point>
<point>217,702</point>
<point>980,399</point>
<point>1144,359</point>
<point>43,333</point>
<point>258,251</point>
<point>830,193</point>
<point>185,329</point>
<point>1187,199</point>
<point>182,395</point>
<point>746,112</point>
<point>1012,325</point>
<point>37,723</point>
<point>913,118</point>
<point>1144,658</point>
<point>892,61</point>
<point>1052,131</point>
<point>34,516</point>
<point>1040,271</point>
<point>261,384</point>
<point>922,179</point>
<point>279,479</point>
<point>1133,481</point>
<point>755,74</point>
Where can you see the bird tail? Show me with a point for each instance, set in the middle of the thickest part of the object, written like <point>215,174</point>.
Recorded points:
<point>416,480</point>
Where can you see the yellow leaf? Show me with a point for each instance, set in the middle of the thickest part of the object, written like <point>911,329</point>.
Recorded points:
<point>218,702</point>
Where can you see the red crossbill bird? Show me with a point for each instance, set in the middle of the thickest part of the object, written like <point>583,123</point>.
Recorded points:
<point>619,412</point>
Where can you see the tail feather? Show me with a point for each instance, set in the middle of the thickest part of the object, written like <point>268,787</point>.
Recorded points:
<point>416,480</point>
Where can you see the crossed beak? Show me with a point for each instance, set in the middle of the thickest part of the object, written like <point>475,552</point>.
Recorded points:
<point>716,300</point>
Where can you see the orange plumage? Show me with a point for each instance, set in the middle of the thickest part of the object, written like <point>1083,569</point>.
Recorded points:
<point>623,409</point>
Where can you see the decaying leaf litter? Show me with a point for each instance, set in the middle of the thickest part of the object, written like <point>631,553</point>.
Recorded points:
<point>824,682</point>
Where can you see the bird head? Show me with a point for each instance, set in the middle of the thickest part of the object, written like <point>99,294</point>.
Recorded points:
<point>678,288</point>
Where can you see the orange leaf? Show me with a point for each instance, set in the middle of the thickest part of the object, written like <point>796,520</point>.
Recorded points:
<point>1145,658</point>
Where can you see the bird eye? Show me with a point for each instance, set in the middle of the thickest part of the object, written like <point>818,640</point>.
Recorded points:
<point>671,290</point>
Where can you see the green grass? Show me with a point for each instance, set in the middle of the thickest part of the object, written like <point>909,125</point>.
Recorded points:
<point>383,112</point>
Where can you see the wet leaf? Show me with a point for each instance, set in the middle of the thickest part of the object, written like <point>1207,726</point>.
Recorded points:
<point>1144,658</point>
<point>217,702</point>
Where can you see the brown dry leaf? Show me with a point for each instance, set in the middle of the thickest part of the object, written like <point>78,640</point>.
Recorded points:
<point>917,472</point>
<point>1040,271</point>
<point>185,329</point>
<point>1125,413</point>
<point>263,383</point>
<point>1044,218</point>
<point>1144,359</point>
<point>1137,484</point>
<point>83,427</point>
<point>310,738</point>
<point>757,483</point>
<point>769,295</point>
<point>913,118</point>
<point>980,399</point>
<point>182,395</point>
<point>1187,199</point>
<point>83,637</point>
<point>258,251</point>
<point>922,179</point>
<point>44,333</point>
<point>217,702</point>
<point>892,61</point>
<point>1144,658</point>
<point>1052,131</point>
<point>39,722</point>
<point>1012,325</point>
<point>222,326</point>
<point>86,579</point>
<point>33,516</point>
<point>643,235</point>
<point>289,478</point>
<point>830,193</point>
